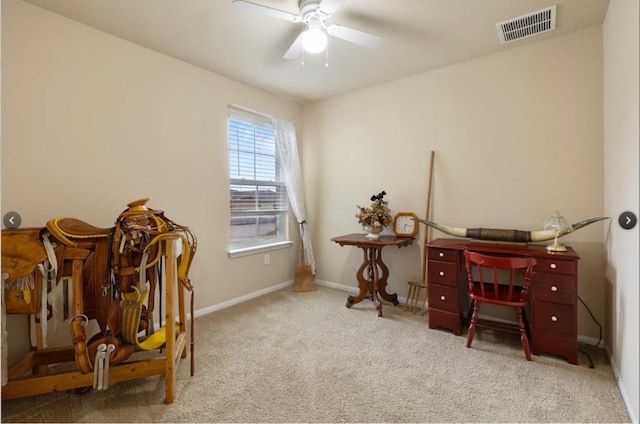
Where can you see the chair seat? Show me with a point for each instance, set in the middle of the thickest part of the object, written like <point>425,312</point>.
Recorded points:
<point>501,297</point>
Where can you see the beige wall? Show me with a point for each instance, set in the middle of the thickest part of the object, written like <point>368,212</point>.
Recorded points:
<point>516,136</point>
<point>91,122</point>
<point>621,193</point>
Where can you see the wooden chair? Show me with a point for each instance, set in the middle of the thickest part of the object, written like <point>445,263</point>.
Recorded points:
<point>499,288</point>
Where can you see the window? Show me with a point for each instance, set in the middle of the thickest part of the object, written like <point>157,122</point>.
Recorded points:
<point>258,198</point>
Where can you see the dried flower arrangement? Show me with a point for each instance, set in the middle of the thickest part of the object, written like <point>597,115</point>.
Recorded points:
<point>378,215</point>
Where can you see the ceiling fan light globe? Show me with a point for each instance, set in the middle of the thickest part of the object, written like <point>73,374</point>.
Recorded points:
<point>314,40</point>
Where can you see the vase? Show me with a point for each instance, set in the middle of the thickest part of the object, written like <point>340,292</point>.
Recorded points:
<point>373,232</point>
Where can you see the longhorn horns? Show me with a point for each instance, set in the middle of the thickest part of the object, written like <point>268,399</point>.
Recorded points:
<point>509,235</point>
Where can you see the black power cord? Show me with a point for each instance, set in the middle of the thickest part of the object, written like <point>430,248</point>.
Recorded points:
<point>591,365</point>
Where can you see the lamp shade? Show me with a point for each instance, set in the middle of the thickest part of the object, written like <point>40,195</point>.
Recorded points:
<point>314,40</point>
<point>556,222</point>
<point>559,225</point>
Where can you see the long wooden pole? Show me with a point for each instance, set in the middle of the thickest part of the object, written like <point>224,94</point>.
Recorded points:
<point>428,215</point>
<point>426,234</point>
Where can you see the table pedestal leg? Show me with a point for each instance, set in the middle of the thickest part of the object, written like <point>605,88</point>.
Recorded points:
<point>372,273</point>
<point>375,283</point>
<point>363,284</point>
<point>382,281</point>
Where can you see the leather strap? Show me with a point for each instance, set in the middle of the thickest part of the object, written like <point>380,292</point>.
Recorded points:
<point>83,362</point>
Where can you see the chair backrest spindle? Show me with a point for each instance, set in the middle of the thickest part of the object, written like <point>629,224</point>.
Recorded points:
<point>513,265</point>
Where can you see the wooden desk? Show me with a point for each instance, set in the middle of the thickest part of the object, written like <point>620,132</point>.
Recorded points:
<point>553,291</point>
<point>373,284</point>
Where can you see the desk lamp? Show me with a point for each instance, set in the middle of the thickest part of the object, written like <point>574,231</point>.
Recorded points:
<point>559,225</point>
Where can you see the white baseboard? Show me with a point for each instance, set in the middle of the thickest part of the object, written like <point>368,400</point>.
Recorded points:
<point>351,289</point>
<point>621,387</point>
<point>237,300</point>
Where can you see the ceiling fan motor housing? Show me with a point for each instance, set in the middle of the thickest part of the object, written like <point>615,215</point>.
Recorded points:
<point>307,5</point>
<point>310,11</point>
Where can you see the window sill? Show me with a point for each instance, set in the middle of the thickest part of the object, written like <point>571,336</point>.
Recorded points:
<point>236,253</point>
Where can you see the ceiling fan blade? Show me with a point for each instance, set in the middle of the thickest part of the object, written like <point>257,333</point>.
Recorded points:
<point>295,50</point>
<point>355,36</point>
<point>330,6</point>
<point>265,10</point>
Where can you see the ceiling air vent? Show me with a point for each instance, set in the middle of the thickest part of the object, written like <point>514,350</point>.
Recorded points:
<point>527,25</point>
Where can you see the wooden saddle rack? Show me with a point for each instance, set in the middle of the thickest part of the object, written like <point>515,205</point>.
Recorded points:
<point>72,271</point>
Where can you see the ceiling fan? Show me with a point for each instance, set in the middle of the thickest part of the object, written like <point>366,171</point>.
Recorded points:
<point>314,14</point>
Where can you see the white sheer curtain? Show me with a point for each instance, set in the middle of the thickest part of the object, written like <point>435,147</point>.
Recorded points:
<point>287,147</point>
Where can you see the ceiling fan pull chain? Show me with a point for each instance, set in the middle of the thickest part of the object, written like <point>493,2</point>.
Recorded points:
<point>326,56</point>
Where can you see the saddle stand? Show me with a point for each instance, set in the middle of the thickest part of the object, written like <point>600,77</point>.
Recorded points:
<point>83,254</point>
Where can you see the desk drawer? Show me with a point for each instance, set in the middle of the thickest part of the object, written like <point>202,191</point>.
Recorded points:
<point>443,255</point>
<point>555,288</point>
<point>556,266</point>
<point>557,318</point>
<point>444,298</point>
<point>445,273</point>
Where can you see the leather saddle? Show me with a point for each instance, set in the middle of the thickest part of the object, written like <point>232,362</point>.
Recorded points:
<point>73,232</point>
<point>22,252</point>
<point>74,236</point>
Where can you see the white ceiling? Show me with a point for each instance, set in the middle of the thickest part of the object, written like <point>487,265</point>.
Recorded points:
<point>419,35</point>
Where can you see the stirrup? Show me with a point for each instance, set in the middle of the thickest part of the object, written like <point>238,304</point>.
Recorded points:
<point>131,310</point>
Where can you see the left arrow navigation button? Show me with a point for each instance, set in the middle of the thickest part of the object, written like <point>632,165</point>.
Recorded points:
<point>12,220</point>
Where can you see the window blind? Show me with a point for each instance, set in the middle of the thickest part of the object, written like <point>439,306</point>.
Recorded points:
<point>258,198</point>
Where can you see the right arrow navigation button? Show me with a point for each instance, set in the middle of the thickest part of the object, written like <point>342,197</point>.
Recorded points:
<point>627,220</point>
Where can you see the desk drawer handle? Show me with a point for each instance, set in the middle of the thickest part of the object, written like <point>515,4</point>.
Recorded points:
<point>443,297</point>
<point>554,318</point>
<point>442,273</point>
<point>441,254</point>
<point>553,266</point>
<point>554,289</point>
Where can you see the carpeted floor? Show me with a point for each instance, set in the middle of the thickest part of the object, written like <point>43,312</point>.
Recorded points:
<point>304,357</point>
